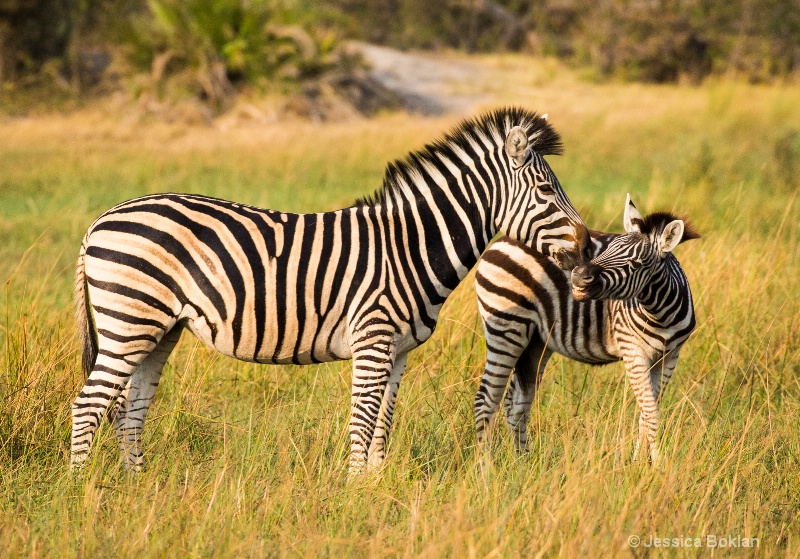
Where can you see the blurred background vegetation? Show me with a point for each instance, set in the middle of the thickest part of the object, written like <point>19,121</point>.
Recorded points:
<point>261,451</point>
<point>55,52</point>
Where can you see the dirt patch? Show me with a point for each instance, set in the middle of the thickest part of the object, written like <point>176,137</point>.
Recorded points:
<point>427,84</point>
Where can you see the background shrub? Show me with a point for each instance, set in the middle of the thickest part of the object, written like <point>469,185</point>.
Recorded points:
<point>212,49</point>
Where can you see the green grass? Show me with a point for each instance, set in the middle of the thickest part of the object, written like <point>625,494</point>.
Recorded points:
<point>247,460</point>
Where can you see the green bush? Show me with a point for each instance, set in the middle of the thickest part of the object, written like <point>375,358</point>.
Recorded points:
<point>210,48</point>
<point>644,45</point>
<point>484,26</point>
<point>223,43</point>
<point>31,33</point>
<point>664,41</point>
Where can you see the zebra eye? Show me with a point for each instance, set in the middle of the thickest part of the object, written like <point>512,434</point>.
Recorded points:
<point>546,188</point>
<point>634,263</point>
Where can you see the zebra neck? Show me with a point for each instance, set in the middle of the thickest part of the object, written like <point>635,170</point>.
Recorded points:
<point>666,296</point>
<point>442,238</point>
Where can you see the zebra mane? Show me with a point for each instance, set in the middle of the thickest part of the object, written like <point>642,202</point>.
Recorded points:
<point>491,128</point>
<point>656,221</point>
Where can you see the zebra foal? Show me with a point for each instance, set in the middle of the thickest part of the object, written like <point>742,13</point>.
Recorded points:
<point>631,302</point>
<point>364,283</point>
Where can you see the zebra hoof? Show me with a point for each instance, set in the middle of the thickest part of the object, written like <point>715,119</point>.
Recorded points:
<point>77,465</point>
<point>357,468</point>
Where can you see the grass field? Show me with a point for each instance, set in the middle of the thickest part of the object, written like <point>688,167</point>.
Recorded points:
<point>250,461</point>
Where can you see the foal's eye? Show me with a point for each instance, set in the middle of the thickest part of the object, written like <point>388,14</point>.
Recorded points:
<point>634,263</point>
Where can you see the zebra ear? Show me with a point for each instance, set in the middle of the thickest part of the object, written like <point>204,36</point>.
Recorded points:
<point>516,144</point>
<point>671,236</point>
<point>631,220</point>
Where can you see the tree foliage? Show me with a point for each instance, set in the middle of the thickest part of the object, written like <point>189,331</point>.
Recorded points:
<point>648,40</point>
<point>31,33</point>
<point>224,44</point>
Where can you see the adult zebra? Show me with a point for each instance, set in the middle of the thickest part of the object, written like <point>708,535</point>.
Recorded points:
<point>365,282</point>
<point>632,302</point>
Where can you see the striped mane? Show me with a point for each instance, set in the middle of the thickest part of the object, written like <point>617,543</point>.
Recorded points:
<point>657,221</point>
<point>490,128</point>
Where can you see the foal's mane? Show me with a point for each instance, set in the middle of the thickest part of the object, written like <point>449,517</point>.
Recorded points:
<point>656,221</point>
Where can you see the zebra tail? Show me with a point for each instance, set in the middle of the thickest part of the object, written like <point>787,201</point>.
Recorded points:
<point>84,313</point>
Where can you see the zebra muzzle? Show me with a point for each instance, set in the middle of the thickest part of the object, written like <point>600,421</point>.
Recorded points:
<point>566,260</point>
<point>582,279</point>
<point>580,294</point>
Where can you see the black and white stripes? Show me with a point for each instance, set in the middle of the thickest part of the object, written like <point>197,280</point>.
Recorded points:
<point>364,283</point>
<point>631,302</point>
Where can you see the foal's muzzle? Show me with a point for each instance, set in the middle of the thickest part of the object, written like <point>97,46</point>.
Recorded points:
<point>584,279</point>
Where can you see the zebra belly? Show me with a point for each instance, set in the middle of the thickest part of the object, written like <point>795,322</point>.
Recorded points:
<point>589,351</point>
<point>245,293</point>
<point>596,357</point>
<point>286,327</point>
<point>332,346</point>
<point>579,331</point>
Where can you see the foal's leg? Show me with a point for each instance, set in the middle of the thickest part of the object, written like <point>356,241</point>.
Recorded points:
<point>637,368</point>
<point>522,390</point>
<point>660,375</point>
<point>505,342</point>
<point>661,372</point>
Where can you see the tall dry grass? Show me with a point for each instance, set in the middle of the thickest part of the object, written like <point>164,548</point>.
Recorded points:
<point>248,460</point>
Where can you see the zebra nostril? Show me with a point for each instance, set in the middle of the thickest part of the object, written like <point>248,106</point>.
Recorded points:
<point>581,277</point>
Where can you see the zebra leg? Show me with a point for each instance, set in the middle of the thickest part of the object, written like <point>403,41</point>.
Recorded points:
<point>660,375</point>
<point>637,370</point>
<point>119,404</point>
<point>487,399</point>
<point>119,355</point>
<point>129,413</point>
<point>377,447</point>
<point>642,436</point>
<point>373,361</point>
<point>503,348</point>
<point>524,382</point>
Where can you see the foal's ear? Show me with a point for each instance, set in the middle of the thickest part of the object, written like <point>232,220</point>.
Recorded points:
<point>516,144</point>
<point>631,220</point>
<point>671,236</point>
